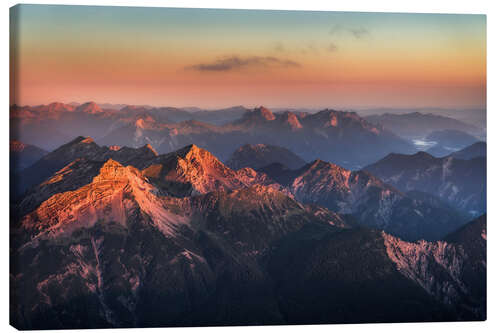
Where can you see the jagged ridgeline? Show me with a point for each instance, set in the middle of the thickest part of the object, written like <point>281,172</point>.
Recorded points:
<point>336,136</point>
<point>126,237</point>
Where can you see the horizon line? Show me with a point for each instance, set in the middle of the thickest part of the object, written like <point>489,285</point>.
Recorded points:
<point>311,108</point>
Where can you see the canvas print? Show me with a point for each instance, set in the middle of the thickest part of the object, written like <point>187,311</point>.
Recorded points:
<point>210,167</point>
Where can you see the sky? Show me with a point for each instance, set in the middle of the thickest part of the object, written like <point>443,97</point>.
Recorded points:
<point>219,58</point>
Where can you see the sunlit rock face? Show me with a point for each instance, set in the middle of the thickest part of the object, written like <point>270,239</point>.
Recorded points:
<point>131,238</point>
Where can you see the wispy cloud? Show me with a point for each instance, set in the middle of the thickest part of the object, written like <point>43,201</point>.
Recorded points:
<point>230,63</point>
<point>359,32</point>
<point>356,32</point>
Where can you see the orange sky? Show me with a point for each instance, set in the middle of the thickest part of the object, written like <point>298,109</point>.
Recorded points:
<point>218,58</point>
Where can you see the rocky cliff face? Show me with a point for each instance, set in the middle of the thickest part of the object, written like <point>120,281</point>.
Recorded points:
<point>371,201</point>
<point>181,239</point>
<point>452,270</point>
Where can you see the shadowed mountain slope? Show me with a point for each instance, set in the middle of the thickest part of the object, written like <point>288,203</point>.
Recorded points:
<point>461,183</point>
<point>260,155</point>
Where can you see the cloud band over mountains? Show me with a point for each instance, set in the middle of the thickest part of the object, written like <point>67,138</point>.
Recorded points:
<point>230,63</point>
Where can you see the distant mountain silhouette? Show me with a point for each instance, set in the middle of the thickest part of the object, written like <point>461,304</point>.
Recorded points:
<point>477,149</point>
<point>341,137</point>
<point>260,155</point>
<point>23,155</point>
<point>418,125</point>
<point>461,183</point>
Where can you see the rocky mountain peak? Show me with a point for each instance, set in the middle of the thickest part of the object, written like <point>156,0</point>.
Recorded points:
<point>193,151</point>
<point>80,139</point>
<point>258,115</point>
<point>291,119</point>
<point>319,164</point>
<point>58,106</point>
<point>265,113</point>
<point>146,122</point>
<point>89,107</point>
<point>111,170</point>
<point>147,147</point>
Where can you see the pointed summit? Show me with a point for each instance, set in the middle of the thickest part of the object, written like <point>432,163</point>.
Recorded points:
<point>265,113</point>
<point>89,107</point>
<point>257,116</point>
<point>78,140</point>
<point>148,147</point>
<point>110,170</point>
<point>145,122</point>
<point>193,152</point>
<point>59,107</point>
<point>193,170</point>
<point>291,120</point>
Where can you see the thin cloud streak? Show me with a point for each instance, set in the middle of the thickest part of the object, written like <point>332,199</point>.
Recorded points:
<point>231,63</point>
<point>358,32</point>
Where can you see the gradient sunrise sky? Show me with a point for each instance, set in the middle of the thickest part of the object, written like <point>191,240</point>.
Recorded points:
<point>218,58</point>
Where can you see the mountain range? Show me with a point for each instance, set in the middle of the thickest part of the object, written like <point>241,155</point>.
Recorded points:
<point>459,182</point>
<point>358,193</point>
<point>127,237</point>
<point>340,137</point>
<point>416,125</point>
<point>163,216</point>
<point>448,141</point>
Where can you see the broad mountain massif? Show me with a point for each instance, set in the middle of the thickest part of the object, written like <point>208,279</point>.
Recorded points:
<point>145,226</point>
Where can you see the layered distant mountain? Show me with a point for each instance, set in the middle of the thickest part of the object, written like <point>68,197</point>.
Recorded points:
<point>418,125</point>
<point>23,155</point>
<point>448,141</point>
<point>221,116</point>
<point>477,149</point>
<point>260,155</point>
<point>49,126</point>
<point>331,135</point>
<point>336,136</point>
<point>452,138</point>
<point>125,237</point>
<point>461,183</point>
